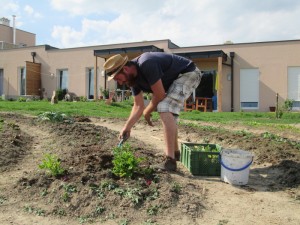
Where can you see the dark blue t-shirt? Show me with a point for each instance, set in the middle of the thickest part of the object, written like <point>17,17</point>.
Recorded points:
<point>152,66</point>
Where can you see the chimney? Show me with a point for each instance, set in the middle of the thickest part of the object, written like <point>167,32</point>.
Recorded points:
<point>4,21</point>
<point>14,31</point>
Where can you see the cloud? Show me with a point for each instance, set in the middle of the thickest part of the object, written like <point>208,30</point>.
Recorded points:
<point>30,11</point>
<point>67,36</point>
<point>186,23</point>
<point>8,8</point>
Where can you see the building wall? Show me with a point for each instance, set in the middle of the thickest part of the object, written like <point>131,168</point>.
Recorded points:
<point>22,37</point>
<point>272,59</point>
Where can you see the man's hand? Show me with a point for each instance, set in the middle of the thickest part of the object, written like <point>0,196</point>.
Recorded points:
<point>124,134</point>
<point>148,117</point>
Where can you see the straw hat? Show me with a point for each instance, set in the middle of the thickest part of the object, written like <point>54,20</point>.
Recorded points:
<point>114,64</point>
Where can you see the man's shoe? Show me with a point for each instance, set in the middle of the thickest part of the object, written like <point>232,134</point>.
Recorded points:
<point>168,164</point>
<point>177,155</point>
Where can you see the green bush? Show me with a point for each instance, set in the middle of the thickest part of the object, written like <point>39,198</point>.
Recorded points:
<point>82,98</point>
<point>60,93</point>
<point>55,117</point>
<point>51,163</point>
<point>21,99</point>
<point>125,163</point>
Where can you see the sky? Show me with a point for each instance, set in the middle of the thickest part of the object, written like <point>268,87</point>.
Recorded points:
<point>78,23</point>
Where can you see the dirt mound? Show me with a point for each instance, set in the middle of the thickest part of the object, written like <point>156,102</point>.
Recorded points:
<point>14,145</point>
<point>291,175</point>
<point>89,190</point>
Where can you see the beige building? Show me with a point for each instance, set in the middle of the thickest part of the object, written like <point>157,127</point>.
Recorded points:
<point>243,76</point>
<point>11,37</point>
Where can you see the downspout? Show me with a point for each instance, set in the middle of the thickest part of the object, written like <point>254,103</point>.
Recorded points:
<point>232,69</point>
<point>14,29</point>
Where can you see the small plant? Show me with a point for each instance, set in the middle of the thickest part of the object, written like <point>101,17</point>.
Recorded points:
<point>60,93</point>
<point>51,163</point>
<point>109,185</point>
<point>21,99</point>
<point>99,210</point>
<point>153,210</point>
<point>134,194</point>
<point>125,163</point>
<point>70,188</point>
<point>54,117</point>
<point>104,92</point>
<point>176,188</point>
<point>66,197</point>
<point>82,98</point>
<point>288,104</point>
<point>37,211</point>
<point>124,222</point>
<point>154,194</point>
<point>59,212</point>
<point>2,199</point>
<point>150,222</point>
<point>44,192</point>
<point>98,190</point>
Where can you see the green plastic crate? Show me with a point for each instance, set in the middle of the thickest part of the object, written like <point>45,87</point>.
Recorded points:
<point>201,163</point>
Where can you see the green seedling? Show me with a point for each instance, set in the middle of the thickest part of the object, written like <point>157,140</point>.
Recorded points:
<point>70,188</point>
<point>153,210</point>
<point>125,163</point>
<point>44,192</point>
<point>99,210</point>
<point>51,163</point>
<point>176,188</point>
<point>2,199</point>
<point>98,190</point>
<point>59,212</point>
<point>54,117</point>
<point>134,194</point>
<point>124,222</point>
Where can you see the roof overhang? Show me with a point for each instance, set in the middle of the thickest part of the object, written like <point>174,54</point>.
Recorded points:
<point>204,55</point>
<point>131,51</point>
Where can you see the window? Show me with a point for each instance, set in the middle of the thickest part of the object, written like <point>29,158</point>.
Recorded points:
<point>1,83</point>
<point>249,88</point>
<point>294,86</point>
<point>22,81</point>
<point>90,82</point>
<point>63,79</point>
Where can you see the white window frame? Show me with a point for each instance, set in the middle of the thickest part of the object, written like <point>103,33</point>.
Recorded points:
<point>249,87</point>
<point>22,72</point>
<point>89,71</point>
<point>293,85</point>
<point>59,84</point>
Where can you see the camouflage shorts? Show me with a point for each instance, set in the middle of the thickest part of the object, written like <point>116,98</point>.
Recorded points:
<point>180,90</point>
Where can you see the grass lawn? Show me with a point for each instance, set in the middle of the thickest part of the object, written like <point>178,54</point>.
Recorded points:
<point>122,110</point>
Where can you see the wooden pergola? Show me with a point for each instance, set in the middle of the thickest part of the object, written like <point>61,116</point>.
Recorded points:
<point>131,52</point>
<point>217,56</point>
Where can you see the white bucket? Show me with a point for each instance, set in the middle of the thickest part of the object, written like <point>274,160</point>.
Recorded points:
<point>235,166</point>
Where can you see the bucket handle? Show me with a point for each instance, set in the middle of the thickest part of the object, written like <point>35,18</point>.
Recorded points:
<point>235,170</point>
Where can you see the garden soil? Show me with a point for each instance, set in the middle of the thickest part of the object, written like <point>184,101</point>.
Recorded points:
<point>89,193</point>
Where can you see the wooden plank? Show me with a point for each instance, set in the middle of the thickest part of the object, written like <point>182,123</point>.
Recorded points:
<point>33,78</point>
<point>220,85</point>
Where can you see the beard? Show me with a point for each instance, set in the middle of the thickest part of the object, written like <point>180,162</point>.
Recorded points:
<point>131,80</point>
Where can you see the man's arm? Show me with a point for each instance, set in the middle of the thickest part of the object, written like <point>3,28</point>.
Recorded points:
<point>158,95</point>
<point>136,113</point>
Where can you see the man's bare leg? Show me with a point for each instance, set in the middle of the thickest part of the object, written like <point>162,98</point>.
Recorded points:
<point>170,133</point>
